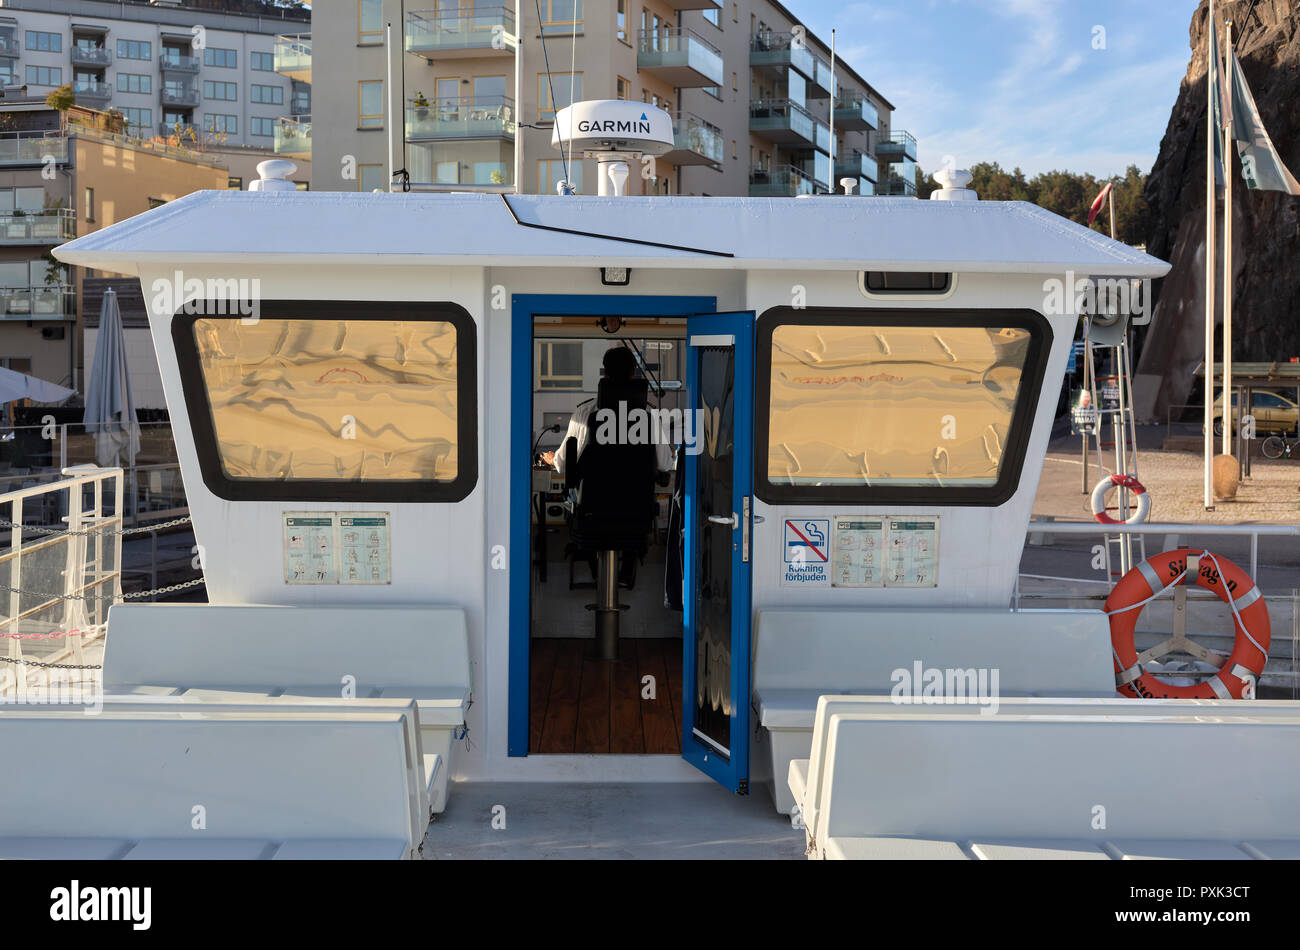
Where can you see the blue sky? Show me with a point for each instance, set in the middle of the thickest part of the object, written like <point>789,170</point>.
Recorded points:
<point>1018,82</point>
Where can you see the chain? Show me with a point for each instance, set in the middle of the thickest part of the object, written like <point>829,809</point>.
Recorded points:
<point>51,666</point>
<point>56,635</point>
<point>133,595</point>
<point>96,532</point>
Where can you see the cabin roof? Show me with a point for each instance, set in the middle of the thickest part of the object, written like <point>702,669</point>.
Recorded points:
<point>821,233</point>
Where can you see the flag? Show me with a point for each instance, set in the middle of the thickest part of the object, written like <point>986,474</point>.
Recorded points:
<point>1261,166</point>
<point>1099,203</point>
<point>1216,100</point>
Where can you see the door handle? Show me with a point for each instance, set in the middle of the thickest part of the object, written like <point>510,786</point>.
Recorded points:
<point>731,522</point>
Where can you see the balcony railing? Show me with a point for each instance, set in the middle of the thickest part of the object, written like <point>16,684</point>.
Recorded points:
<point>777,50</point>
<point>820,87</point>
<point>178,62</point>
<point>185,131</point>
<point>781,120</point>
<point>781,181</point>
<point>480,30</point>
<point>52,302</point>
<point>855,112</point>
<point>9,46</point>
<point>855,164</point>
<point>695,141</point>
<point>485,117</point>
<point>694,4</point>
<point>32,149</point>
<point>896,145</point>
<point>93,56</point>
<point>293,136</point>
<point>300,105</point>
<point>180,96</point>
<point>84,90</point>
<point>900,187</point>
<point>292,56</point>
<point>39,227</point>
<point>680,57</point>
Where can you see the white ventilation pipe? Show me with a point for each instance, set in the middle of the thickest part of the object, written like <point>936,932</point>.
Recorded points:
<point>953,182</point>
<point>849,185</point>
<point>273,176</point>
<point>613,172</point>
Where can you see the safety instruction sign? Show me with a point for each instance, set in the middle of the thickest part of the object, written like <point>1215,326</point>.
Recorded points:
<point>913,552</point>
<point>330,547</point>
<point>858,551</point>
<point>807,553</point>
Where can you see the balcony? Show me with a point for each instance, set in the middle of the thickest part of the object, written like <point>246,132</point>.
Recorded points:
<point>855,164</point>
<point>86,91</point>
<point>899,186</point>
<point>18,149</point>
<point>783,181</point>
<point>855,113</point>
<point>51,302</point>
<point>10,48</point>
<point>171,62</point>
<point>39,227</point>
<point>776,51</point>
<point>487,117</point>
<point>695,142</point>
<point>292,56</point>
<point>186,97</point>
<point>694,4</point>
<point>460,33</point>
<point>680,58</point>
<point>300,105</point>
<point>96,57</point>
<point>820,86</point>
<point>780,120</point>
<point>896,146</point>
<point>293,136</point>
<point>183,131</point>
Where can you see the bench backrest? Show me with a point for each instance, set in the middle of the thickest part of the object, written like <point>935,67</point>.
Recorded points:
<point>830,706</point>
<point>960,776</point>
<point>123,775</point>
<point>1041,652</point>
<point>227,645</point>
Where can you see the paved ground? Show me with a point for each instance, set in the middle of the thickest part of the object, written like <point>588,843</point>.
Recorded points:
<point>670,820</point>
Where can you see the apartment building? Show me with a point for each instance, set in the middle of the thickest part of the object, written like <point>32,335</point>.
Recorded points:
<point>64,176</point>
<point>749,88</point>
<point>204,70</point>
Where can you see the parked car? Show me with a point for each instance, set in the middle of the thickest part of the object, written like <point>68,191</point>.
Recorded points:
<point>1273,412</point>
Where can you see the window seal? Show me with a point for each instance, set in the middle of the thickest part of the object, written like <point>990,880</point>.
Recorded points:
<point>1018,435</point>
<point>199,407</point>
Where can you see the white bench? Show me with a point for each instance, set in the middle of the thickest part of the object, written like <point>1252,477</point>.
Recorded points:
<point>419,653</point>
<point>133,782</point>
<point>803,654</point>
<point>945,781</point>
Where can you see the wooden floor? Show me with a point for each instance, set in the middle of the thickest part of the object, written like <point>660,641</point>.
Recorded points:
<point>582,704</point>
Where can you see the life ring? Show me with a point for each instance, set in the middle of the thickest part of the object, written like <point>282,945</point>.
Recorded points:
<point>1233,586</point>
<point>1120,481</point>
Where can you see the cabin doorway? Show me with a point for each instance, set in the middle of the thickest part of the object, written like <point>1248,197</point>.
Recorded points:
<point>670,687</point>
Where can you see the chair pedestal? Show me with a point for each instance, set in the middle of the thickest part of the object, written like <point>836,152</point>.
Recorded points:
<point>607,607</point>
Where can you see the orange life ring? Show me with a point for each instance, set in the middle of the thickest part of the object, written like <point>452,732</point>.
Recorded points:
<point>1230,583</point>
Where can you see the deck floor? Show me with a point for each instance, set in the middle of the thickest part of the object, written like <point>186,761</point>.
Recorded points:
<point>581,704</point>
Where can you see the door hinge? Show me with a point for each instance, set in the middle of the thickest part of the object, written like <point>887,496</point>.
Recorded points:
<point>743,787</point>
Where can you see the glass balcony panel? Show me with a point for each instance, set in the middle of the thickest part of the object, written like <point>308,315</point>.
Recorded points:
<point>781,120</point>
<point>32,149</point>
<point>781,181</point>
<point>896,145</point>
<point>85,89</point>
<point>480,28</point>
<point>178,62</point>
<point>681,57</point>
<point>695,141</point>
<point>775,50</point>
<point>292,56</point>
<point>461,118</point>
<point>50,302</point>
<point>90,56</point>
<point>293,136</point>
<point>44,227</point>
<point>855,112</point>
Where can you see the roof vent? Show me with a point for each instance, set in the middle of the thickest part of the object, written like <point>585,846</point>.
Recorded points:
<point>848,184</point>
<point>274,176</point>
<point>953,182</point>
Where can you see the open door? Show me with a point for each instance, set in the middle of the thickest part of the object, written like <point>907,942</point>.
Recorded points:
<point>716,568</point>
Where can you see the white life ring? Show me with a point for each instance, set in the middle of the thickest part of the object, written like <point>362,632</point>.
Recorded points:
<point>1120,481</point>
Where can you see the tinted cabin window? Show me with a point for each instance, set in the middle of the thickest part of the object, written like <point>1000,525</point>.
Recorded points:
<point>899,282</point>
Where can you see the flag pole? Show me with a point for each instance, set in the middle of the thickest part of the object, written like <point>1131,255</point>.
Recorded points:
<point>1231,420</point>
<point>1112,211</point>
<point>1210,236</point>
<point>833,181</point>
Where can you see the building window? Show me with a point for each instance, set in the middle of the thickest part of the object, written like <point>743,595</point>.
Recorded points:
<point>371,178</point>
<point>370,104</point>
<point>134,49</point>
<point>561,17</point>
<point>253,385</point>
<point>139,122</point>
<point>267,95</point>
<point>134,82</point>
<point>225,58</point>
<point>714,17</point>
<point>560,84</point>
<point>624,88</point>
<point>220,123</point>
<point>261,126</point>
<point>550,171</point>
<point>446,173</point>
<point>222,91</point>
<point>714,91</point>
<point>88,203</point>
<point>559,365</point>
<point>370,22</point>
<point>261,62</point>
<point>235,183</point>
<point>45,42</point>
<point>621,23</point>
<point>735,11</point>
<point>490,173</point>
<point>854,425</point>
<point>44,76</point>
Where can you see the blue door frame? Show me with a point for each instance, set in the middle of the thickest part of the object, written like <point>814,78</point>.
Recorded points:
<point>524,307</point>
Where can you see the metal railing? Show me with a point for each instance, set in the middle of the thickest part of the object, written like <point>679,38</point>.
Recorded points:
<point>459,28</point>
<point>27,148</point>
<point>691,133</point>
<point>292,53</point>
<point>293,135</point>
<point>769,48</point>
<point>177,95</point>
<point>90,56</point>
<point>783,180</point>
<point>55,301</point>
<point>677,48</point>
<point>178,62</point>
<point>895,145</point>
<point>51,226</point>
<point>87,89</point>
<point>461,117</point>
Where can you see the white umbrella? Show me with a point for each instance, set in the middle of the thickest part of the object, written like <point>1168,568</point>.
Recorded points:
<point>110,407</point>
<point>14,385</point>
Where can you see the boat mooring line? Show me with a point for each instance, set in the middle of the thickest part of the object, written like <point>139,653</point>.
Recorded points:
<point>610,237</point>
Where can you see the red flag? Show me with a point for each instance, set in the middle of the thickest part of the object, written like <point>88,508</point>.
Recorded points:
<point>1097,205</point>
